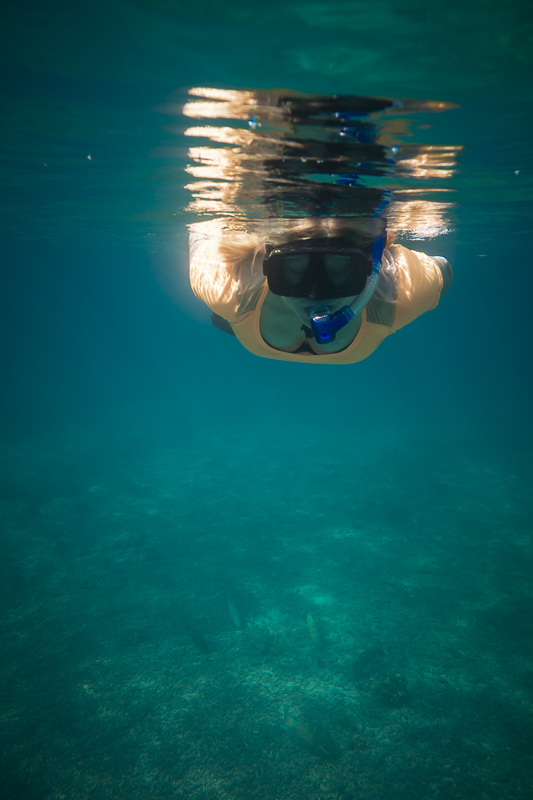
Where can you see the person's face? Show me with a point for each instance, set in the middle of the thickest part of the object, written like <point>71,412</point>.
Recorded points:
<point>337,268</point>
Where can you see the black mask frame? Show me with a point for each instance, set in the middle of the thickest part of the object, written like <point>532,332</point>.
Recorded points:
<point>316,282</point>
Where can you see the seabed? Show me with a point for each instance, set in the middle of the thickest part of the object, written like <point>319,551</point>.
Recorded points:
<point>422,676</point>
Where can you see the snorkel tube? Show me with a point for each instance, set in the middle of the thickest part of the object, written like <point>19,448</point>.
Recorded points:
<point>325,325</point>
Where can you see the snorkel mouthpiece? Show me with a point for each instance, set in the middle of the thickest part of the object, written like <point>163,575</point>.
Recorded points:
<point>325,325</point>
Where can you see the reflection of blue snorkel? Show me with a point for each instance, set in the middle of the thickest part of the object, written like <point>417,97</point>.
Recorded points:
<point>325,325</point>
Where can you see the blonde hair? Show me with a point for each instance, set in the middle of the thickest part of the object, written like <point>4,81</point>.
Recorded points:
<point>247,247</point>
<point>241,247</point>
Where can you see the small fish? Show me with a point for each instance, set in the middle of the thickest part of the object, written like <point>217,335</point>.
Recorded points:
<point>313,631</point>
<point>234,614</point>
<point>313,737</point>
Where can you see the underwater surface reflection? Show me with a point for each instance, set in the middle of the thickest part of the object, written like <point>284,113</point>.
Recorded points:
<point>288,154</point>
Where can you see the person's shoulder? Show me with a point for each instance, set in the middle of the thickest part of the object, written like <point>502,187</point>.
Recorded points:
<point>399,252</point>
<point>418,286</point>
<point>414,264</point>
<point>446,271</point>
<point>428,268</point>
<point>381,310</point>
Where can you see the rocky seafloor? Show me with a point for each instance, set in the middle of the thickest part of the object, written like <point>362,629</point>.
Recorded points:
<point>125,675</point>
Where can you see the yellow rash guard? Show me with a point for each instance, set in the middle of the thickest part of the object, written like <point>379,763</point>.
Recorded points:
<point>410,284</point>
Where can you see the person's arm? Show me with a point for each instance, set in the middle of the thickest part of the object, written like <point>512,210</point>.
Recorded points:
<point>447,273</point>
<point>422,280</point>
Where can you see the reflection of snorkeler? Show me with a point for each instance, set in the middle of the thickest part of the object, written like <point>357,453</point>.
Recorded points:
<point>317,290</point>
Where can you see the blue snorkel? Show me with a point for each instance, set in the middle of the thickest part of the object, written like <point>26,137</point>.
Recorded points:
<point>324,325</point>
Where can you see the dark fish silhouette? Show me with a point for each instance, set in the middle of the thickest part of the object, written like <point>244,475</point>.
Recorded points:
<point>313,737</point>
<point>196,637</point>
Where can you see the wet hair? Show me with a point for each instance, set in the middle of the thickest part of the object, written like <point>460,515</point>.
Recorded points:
<point>242,251</point>
<point>249,247</point>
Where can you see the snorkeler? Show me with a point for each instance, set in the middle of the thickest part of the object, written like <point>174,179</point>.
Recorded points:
<point>327,291</point>
<point>300,261</point>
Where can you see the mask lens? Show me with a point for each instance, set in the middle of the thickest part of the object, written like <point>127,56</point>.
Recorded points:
<point>317,271</point>
<point>340,267</point>
<point>295,268</point>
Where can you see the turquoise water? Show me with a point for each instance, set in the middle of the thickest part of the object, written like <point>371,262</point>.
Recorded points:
<point>152,469</point>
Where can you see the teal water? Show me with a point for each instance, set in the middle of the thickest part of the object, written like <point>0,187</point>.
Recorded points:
<point>152,469</point>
